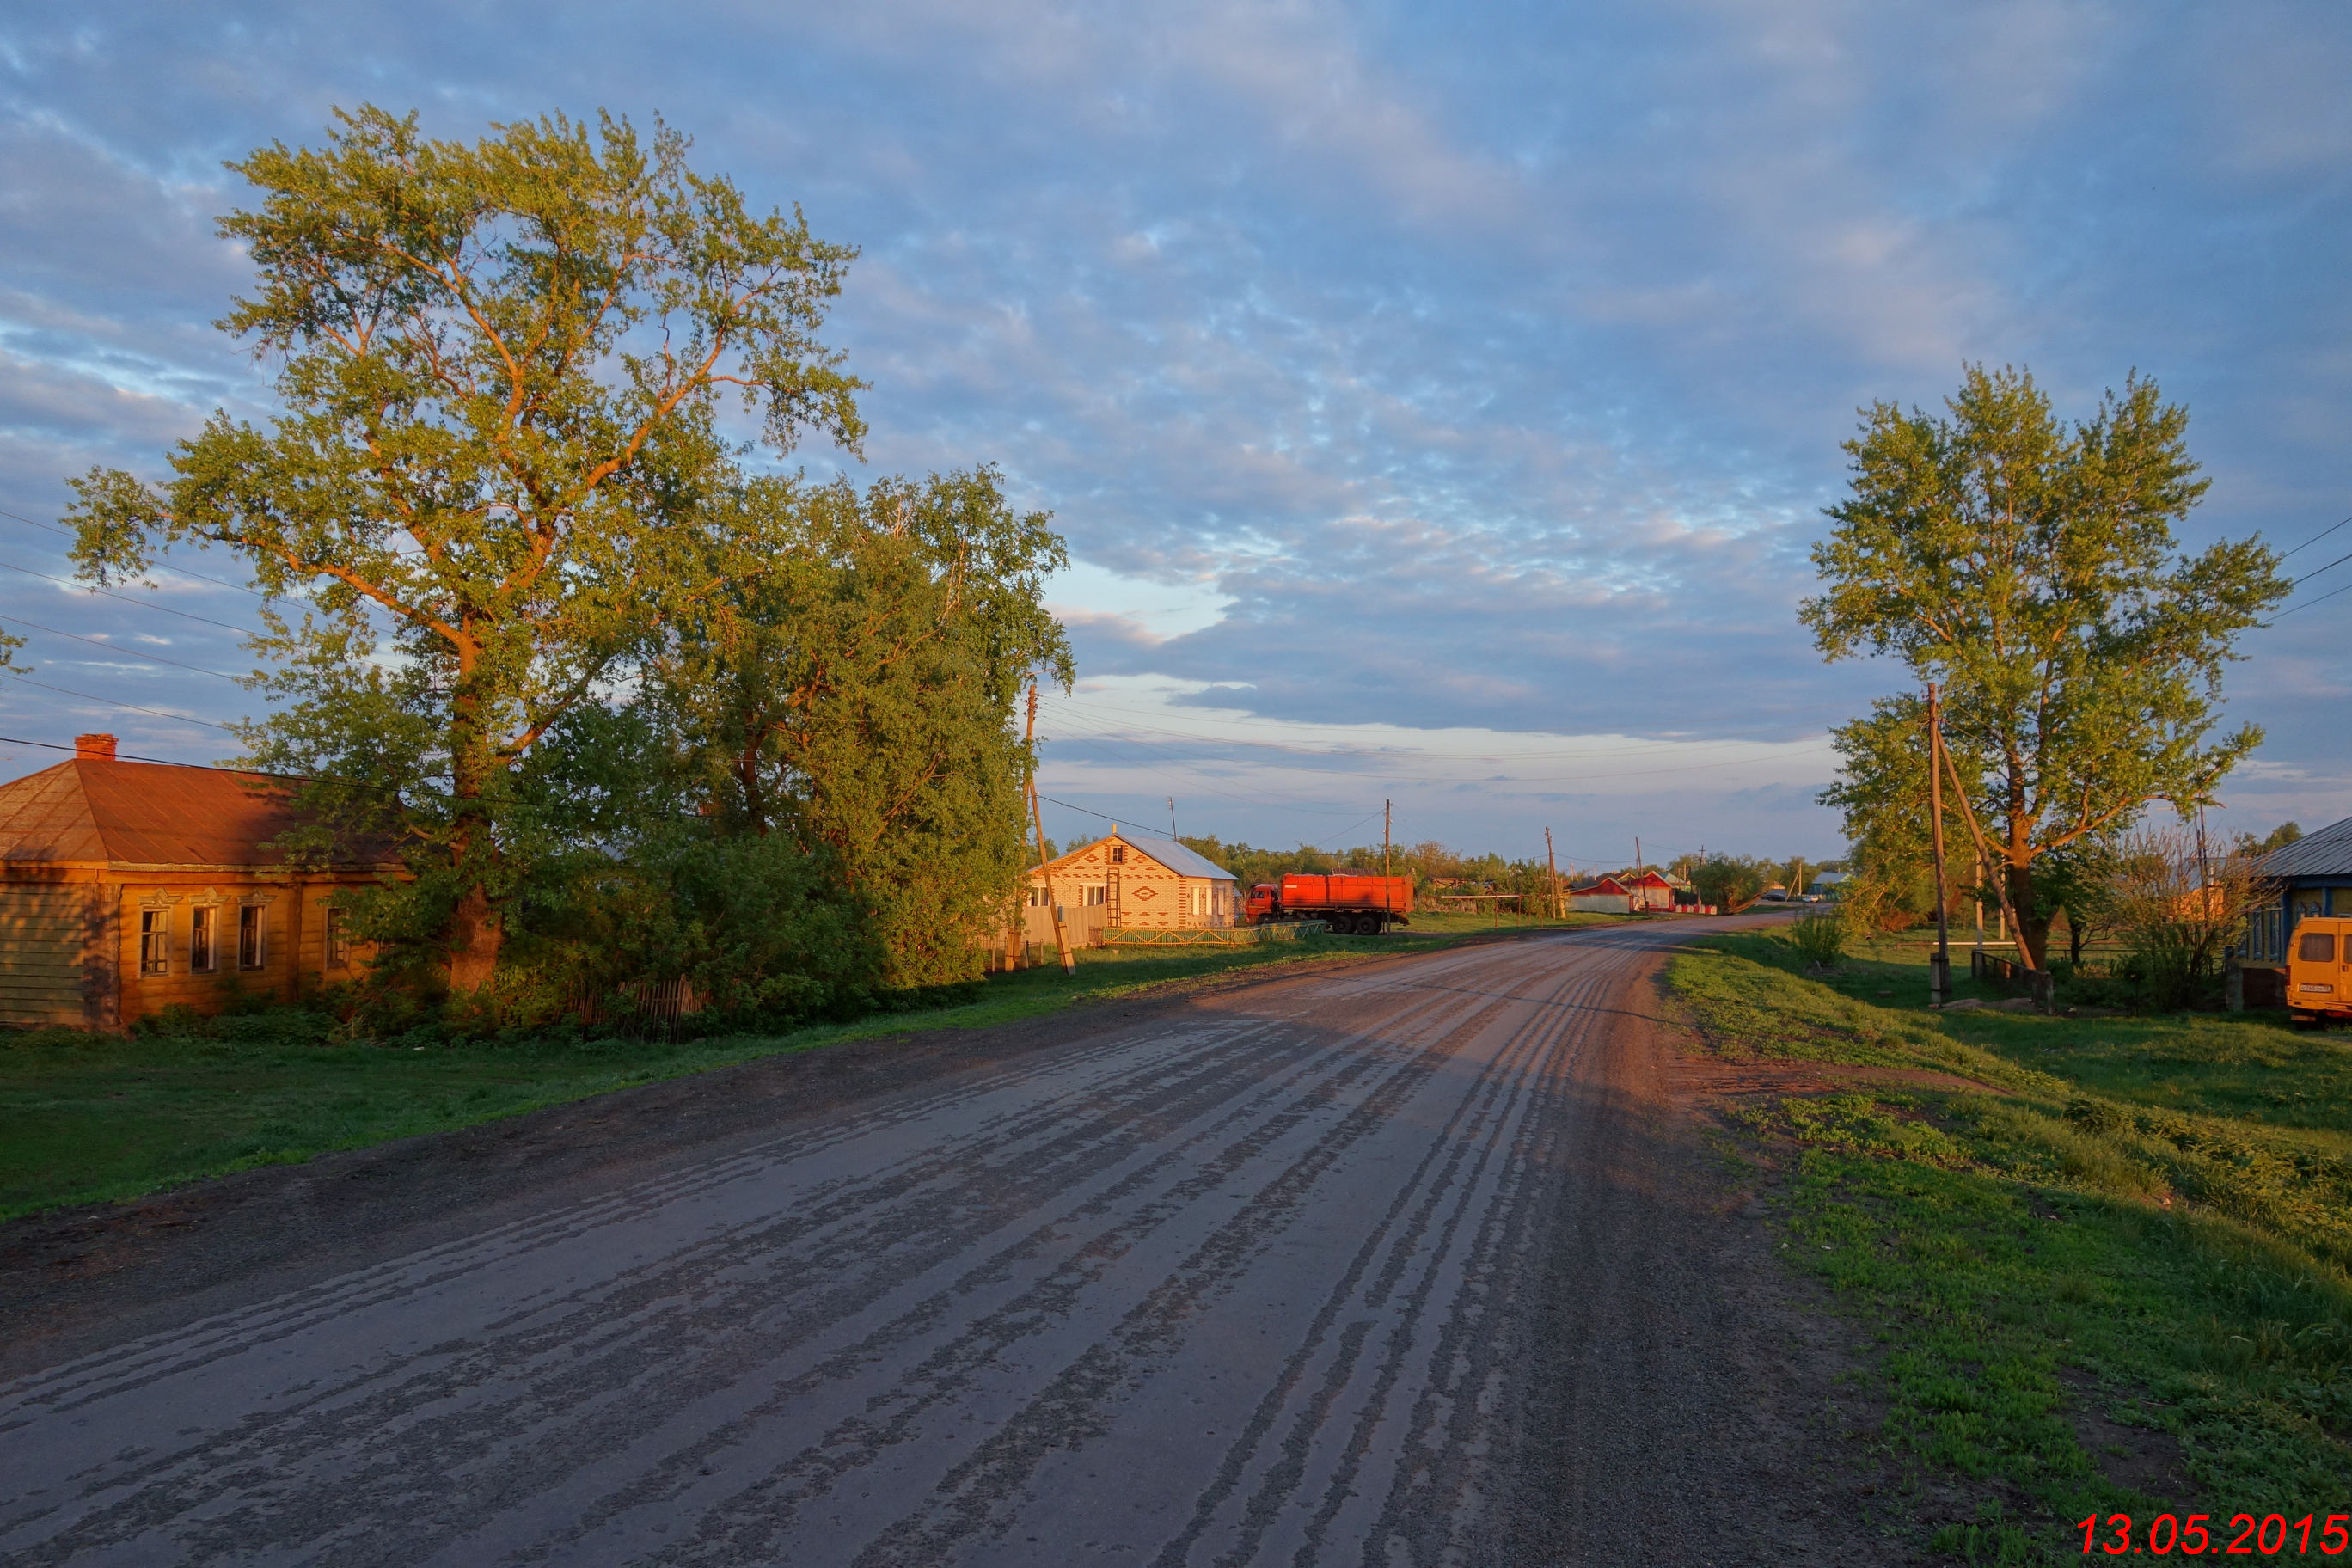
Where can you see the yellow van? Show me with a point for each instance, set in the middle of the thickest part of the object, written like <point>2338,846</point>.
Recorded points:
<point>2319,971</point>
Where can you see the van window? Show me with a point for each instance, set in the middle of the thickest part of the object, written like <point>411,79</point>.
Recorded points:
<point>2315,947</point>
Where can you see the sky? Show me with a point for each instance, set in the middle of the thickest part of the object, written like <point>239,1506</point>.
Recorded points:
<point>1439,402</point>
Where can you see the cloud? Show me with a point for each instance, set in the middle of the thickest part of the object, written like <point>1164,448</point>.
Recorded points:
<point>1473,366</point>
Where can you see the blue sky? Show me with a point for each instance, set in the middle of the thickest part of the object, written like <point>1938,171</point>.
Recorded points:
<point>1439,401</point>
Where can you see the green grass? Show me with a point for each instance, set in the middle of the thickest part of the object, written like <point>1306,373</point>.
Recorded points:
<point>2148,1217</point>
<point>87,1118</point>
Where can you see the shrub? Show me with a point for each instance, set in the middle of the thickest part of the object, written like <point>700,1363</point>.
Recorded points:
<point>1820,937</point>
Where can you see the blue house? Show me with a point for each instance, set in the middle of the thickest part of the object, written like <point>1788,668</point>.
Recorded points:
<point>2314,878</point>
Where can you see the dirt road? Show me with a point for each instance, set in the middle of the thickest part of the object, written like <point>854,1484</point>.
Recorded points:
<point>1413,1263</point>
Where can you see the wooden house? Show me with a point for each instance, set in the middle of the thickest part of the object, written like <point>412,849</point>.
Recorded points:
<point>1128,881</point>
<point>126,887</point>
<point>2313,876</point>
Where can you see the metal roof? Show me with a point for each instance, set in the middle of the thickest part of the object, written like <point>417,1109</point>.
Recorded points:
<point>140,814</point>
<point>1176,857</point>
<point>2327,853</point>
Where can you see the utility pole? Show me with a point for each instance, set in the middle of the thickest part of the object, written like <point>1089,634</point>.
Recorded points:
<point>1171,816</point>
<point>1978,906</point>
<point>1638,868</point>
<point>1553,866</point>
<point>1388,811</point>
<point>1037,821</point>
<point>1939,968</point>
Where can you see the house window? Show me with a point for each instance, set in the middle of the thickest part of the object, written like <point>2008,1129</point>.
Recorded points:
<point>1118,854</point>
<point>339,939</point>
<point>203,940</point>
<point>154,942</point>
<point>1097,893</point>
<point>248,936</point>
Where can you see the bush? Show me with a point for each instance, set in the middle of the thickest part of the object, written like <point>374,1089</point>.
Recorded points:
<point>1820,937</point>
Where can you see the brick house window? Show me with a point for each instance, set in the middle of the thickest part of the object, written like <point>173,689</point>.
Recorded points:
<point>248,936</point>
<point>1097,893</point>
<point>1118,854</point>
<point>339,939</point>
<point>203,940</point>
<point>154,942</point>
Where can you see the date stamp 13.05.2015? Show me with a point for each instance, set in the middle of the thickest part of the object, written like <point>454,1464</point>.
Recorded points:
<point>2195,1534</point>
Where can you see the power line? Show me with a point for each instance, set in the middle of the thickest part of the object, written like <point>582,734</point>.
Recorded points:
<point>127,599</point>
<point>112,703</point>
<point>2308,603</point>
<point>164,761</point>
<point>2317,536</point>
<point>110,648</point>
<point>215,581</point>
<point>2307,576</point>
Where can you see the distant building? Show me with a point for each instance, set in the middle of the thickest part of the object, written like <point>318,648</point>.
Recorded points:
<point>1827,884</point>
<point>2314,875</point>
<point>126,887</point>
<point>1127,881</point>
<point>1650,890</point>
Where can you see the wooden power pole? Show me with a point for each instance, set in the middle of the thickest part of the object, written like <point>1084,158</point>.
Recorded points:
<point>1939,968</point>
<point>1388,809</point>
<point>1037,821</point>
<point>1552,867</point>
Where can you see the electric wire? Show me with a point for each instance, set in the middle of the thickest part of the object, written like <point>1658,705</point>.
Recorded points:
<point>2317,536</point>
<point>182,571</point>
<point>113,702</point>
<point>142,604</point>
<point>110,648</point>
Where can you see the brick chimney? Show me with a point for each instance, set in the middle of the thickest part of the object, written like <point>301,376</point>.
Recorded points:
<point>98,747</point>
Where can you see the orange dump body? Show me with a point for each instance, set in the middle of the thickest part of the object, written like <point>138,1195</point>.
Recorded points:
<point>2319,968</point>
<point>1347,890</point>
<point>1375,902</point>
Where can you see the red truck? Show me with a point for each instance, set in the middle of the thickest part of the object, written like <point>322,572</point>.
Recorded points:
<point>1355,902</point>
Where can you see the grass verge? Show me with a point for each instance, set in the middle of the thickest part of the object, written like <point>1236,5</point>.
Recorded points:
<point>2108,1271</point>
<point>90,1118</point>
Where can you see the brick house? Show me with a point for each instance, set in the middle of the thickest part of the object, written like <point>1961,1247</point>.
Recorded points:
<point>126,887</point>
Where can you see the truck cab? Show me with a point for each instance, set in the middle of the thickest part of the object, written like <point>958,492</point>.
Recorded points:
<point>2319,971</point>
<point>1264,901</point>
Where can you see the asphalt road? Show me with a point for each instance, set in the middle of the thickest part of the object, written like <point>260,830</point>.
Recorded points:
<point>1413,1263</point>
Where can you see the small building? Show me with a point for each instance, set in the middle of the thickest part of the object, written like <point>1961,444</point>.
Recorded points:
<point>126,887</point>
<point>1130,882</point>
<point>1649,889</point>
<point>2313,876</point>
<point>1826,885</point>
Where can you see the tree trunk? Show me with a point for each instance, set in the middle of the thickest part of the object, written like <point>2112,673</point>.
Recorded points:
<point>2032,922</point>
<point>476,929</point>
<point>476,925</point>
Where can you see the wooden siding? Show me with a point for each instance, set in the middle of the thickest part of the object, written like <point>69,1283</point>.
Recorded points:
<point>41,932</point>
<point>293,947</point>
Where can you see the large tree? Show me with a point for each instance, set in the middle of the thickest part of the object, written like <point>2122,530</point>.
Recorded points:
<point>854,687</point>
<point>503,371</point>
<point>2030,568</point>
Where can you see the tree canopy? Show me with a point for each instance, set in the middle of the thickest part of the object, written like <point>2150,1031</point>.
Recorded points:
<point>503,370</point>
<point>2031,567</point>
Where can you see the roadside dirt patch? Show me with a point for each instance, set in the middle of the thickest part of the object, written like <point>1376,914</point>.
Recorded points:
<point>2143,1459</point>
<point>1705,1077</point>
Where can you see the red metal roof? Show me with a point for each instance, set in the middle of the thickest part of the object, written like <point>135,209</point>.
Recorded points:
<point>144,814</point>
